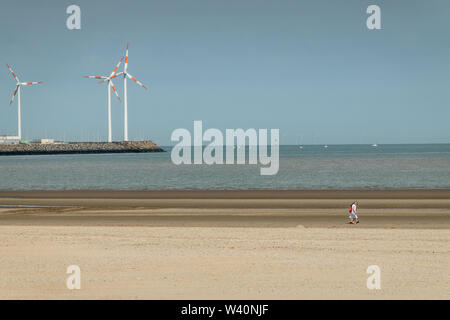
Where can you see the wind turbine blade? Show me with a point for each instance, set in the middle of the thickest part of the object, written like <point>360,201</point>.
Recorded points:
<point>115,91</point>
<point>115,75</point>
<point>30,83</point>
<point>95,77</point>
<point>14,75</point>
<point>117,67</point>
<point>135,80</point>
<point>111,77</point>
<point>125,68</point>
<point>14,95</point>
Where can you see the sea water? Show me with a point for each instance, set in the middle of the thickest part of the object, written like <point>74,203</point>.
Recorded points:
<point>312,167</point>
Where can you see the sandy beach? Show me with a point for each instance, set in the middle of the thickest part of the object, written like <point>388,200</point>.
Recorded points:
<point>224,244</point>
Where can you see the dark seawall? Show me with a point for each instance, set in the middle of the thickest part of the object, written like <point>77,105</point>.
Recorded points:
<point>78,148</point>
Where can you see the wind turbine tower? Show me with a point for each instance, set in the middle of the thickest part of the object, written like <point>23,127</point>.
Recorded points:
<point>110,85</point>
<point>17,91</point>
<point>125,101</point>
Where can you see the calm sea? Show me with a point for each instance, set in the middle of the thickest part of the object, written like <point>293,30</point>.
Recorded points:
<point>313,167</point>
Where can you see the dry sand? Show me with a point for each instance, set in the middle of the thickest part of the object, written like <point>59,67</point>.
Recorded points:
<point>225,245</point>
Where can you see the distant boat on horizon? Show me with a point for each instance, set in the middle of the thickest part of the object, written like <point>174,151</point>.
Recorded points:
<point>374,145</point>
<point>325,146</point>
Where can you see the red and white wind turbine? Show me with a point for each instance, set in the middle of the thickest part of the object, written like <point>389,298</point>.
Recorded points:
<point>110,85</point>
<point>125,102</point>
<point>17,91</point>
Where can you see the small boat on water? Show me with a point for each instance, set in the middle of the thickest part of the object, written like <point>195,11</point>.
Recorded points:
<point>325,146</point>
<point>374,145</point>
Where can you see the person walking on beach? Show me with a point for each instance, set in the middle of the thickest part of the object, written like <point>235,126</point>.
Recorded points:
<point>352,213</point>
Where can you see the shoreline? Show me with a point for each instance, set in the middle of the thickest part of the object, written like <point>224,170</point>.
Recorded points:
<point>401,209</point>
<point>435,193</point>
<point>232,194</point>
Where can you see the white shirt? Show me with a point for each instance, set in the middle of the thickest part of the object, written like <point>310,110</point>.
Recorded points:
<point>354,208</point>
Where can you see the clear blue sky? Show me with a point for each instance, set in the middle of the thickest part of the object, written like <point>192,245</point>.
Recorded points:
<point>310,68</point>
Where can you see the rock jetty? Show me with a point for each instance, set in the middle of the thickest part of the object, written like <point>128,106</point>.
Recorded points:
<point>78,147</point>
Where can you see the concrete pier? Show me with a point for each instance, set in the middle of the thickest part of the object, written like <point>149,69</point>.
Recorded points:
<point>79,148</point>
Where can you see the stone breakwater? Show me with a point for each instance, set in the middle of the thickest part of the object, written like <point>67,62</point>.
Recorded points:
<point>79,148</point>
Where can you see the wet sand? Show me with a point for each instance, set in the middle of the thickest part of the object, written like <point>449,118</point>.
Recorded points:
<point>225,244</point>
<point>327,209</point>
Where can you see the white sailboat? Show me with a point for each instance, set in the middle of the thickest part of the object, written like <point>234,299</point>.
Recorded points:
<point>301,140</point>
